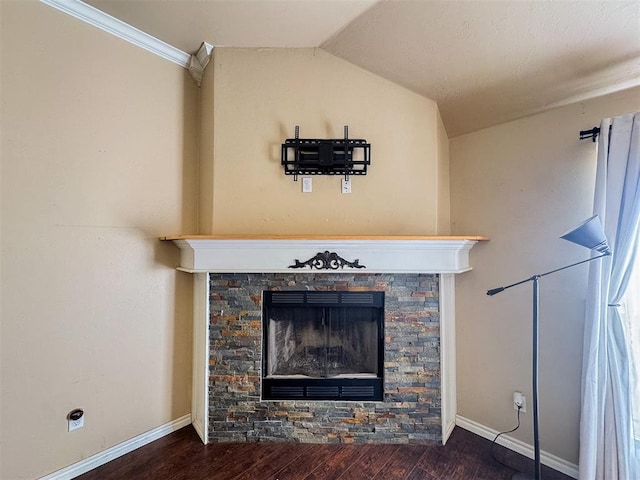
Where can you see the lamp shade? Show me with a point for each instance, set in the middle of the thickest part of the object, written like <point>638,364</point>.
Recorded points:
<point>590,234</point>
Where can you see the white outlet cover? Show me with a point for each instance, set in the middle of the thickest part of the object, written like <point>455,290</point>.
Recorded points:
<point>307,184</point>
<point>346,185</point>
<point>523,408</point>
<point>76,424</point>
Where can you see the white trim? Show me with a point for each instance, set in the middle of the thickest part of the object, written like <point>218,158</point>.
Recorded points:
<point>277,255</point>
<point>199,62</point>
<point>200,373</point>
<point>518,446</point>
<point>94,461</point>
<point>448,397</point>
<point>112,25</point>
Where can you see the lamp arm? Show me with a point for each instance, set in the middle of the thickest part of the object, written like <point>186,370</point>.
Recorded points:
<point>574,264</point>
<point>494,291</point>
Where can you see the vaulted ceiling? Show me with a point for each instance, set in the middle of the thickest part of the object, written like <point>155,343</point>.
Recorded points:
<point>483,61</point>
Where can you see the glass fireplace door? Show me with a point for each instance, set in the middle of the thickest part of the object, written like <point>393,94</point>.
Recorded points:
<point>322,335</point>
<point>322,342</point>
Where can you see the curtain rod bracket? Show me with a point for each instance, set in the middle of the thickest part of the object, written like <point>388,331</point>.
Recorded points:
<point>592,134</point>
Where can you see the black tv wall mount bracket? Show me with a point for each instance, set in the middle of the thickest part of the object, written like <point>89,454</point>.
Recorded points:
<point>312,156</point>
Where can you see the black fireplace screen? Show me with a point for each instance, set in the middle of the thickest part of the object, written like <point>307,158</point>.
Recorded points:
<point>323,345</point>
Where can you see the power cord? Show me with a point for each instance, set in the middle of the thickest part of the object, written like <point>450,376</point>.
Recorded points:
<point>502,433</point>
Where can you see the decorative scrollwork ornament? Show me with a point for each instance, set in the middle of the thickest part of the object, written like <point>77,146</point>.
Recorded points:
<point>327,261</point>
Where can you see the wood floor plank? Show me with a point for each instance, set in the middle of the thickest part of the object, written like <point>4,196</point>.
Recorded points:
<point>431,460</point>
<point>373,458</point>
<point>401,463</point>
<point>285,454</point>
<point>203,462</point>
<point>453,464</point>
<point>418,473</point>
<point>255,454</point>
<point>336,464</point>
<point>215,461</point>
<point>309,461</point>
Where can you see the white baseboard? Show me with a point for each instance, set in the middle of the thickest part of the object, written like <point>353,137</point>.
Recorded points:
<point>448,430</point>
<point>518,446</point>
<point>116,451</point>
<point>200,430</point>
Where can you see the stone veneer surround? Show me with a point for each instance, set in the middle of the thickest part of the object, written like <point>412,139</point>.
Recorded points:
<point>411,410</point>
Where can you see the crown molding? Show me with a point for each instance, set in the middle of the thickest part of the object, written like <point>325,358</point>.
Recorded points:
<point>199,61</point>
<point>112,25</point>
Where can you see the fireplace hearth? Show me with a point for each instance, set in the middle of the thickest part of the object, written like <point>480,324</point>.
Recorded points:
<point>324,345</point>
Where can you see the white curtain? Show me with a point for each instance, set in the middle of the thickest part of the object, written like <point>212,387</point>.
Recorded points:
<point>607,437</point>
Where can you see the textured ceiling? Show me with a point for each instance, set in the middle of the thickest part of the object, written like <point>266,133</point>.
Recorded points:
<point>484,61</point>
<point>185,24</point>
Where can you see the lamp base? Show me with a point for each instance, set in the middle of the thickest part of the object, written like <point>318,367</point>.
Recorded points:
<point>522,476</point>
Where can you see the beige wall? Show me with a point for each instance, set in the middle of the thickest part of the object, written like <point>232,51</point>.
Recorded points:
<point>443,181</point>
<point>259,95</point>
<point>98,161</point>
<point>523,184</point>
<point>205,154</point>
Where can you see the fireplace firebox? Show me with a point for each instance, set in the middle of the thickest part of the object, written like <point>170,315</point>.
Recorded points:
<point>323,345</point>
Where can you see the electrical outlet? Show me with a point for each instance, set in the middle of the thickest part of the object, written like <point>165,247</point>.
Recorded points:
<point>76,424</point>
<point>346,185</point>
<point>307,184</point>
<point>519,400</point>
<point>75,419</point>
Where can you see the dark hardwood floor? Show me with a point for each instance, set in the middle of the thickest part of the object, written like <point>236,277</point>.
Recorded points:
<point>182,456</point>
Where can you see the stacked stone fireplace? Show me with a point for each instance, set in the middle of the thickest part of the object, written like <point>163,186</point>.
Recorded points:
<point>416,401</point>
<point>410,408</point>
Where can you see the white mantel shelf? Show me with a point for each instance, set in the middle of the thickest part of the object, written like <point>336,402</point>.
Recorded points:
<point>278,253</point>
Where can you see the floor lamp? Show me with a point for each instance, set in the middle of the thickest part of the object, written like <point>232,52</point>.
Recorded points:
<point>589,234</point>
